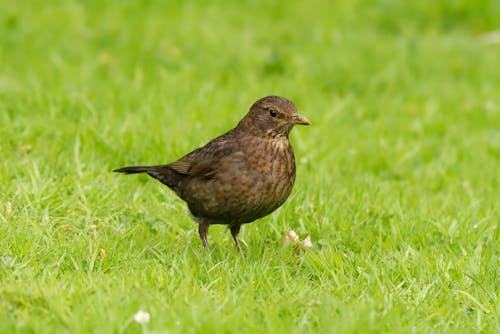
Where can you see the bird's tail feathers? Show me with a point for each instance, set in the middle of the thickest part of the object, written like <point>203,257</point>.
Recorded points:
<point>162,173</point>
<point>136,169</point>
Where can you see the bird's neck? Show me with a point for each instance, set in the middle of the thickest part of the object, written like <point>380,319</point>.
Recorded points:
<point>247,127</point>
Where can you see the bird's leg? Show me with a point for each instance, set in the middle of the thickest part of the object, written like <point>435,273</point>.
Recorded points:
<point>235,229</point>
<point>203,230</point>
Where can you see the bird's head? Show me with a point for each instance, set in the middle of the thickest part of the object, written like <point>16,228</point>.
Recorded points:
<point>273,116</point>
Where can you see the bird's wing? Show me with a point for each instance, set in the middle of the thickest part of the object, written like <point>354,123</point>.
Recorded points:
<point>181,166</point>
<point>205,161</point>
<point>185,166</point>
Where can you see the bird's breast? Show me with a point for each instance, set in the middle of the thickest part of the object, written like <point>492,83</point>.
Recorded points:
<point>272,172</point>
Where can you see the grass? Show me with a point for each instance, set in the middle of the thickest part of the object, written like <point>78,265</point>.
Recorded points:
<point>398,178</point>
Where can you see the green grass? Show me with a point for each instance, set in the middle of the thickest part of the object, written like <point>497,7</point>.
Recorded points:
<point>398,177</point>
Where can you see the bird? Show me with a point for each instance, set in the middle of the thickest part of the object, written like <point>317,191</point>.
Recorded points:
<point>240,176</point>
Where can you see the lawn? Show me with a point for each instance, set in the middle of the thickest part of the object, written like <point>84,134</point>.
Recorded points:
<point>398,178</point>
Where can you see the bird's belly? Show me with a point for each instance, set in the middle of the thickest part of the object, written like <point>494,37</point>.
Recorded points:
<point>242,195</point>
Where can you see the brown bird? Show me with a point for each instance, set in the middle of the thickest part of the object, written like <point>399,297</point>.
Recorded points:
<point>241,176</point>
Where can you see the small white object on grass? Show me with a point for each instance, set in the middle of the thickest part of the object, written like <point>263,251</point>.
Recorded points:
<point>142,317</point>
<point>291,236</point>
<point>307,242</point>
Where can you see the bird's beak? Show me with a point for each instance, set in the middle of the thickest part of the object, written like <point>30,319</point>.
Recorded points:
<point>299,119</point>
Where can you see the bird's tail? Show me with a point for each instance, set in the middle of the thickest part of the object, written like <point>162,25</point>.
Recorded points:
<point>162,173</point>
<point>135,169</point>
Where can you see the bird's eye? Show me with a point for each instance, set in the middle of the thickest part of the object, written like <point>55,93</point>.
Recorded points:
<point>273,113</point>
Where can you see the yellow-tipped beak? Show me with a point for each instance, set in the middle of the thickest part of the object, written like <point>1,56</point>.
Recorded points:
<point>299,119</point>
